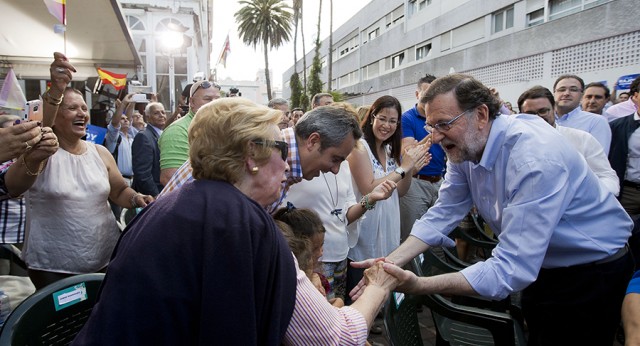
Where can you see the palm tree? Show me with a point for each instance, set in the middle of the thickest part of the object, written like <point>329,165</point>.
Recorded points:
<point>330,55</point>
<point>296,19</point>
<point>304,53</point>
<point>267,22</point>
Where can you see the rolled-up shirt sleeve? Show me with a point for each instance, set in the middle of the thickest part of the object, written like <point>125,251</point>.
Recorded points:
<point>454,202</point>
<point>316,322</point>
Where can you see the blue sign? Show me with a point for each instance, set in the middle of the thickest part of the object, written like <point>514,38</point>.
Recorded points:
<point>95,134</point>
<point>624,82</point>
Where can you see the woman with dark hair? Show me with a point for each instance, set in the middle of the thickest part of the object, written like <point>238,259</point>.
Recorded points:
<point>378,158</point>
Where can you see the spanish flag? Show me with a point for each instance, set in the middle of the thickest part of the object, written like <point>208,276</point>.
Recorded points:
<point>118,80</point>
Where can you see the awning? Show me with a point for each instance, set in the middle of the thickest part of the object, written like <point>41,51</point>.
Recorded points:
<point>96,36</point>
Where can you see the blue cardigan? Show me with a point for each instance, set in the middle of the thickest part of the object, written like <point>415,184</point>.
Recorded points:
<point>202,265</point>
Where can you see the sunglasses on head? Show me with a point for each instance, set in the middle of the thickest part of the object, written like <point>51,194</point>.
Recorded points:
<point>280,145</point>
<point>205,85</point>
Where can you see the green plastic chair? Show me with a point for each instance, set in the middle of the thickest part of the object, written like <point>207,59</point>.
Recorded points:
<point>401,320</point>
<point>54,314</point>
<point>464,325</point>
<point>463,320</point>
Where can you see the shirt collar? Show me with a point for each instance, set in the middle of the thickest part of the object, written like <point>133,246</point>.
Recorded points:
<point>295,166</point>
<point>574,111</point>
<point>494,142</point>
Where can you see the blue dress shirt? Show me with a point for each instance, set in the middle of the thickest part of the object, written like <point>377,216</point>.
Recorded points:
<point>597,125</point>
<point>538,195</point>
<point>413,126</point>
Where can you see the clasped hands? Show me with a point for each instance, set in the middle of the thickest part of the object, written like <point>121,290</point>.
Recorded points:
<point>384,273</point>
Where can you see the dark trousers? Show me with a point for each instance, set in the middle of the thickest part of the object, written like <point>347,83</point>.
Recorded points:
<point>577,305</point>
<point>354,275</point>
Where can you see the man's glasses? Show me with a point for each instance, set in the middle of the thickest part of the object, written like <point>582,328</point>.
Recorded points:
<point>280,145</point>
<point>541,112</point>
<point>390,122</point>
<point>571,89</point>
<point>445,125</point>
<point>205,85</point>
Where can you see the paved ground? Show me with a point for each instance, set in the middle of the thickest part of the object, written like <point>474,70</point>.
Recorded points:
<point>427,329</point>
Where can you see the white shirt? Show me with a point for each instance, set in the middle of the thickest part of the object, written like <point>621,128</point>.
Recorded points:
<point>593,153</point>
<point>323,194</point>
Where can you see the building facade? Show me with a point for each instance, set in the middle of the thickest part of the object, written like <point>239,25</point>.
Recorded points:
<point>510,45</point>
<point>173,40</point>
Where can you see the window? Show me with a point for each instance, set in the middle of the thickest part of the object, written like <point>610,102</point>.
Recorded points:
<point>561,8</point>
<point>503,19</point>
<point>397,60</point>
<point>348,79</point>
<point>412,7</point>
<point>422,4</point>
<point>395,17</point>
<point>348,46</point>
<point>373,34</point>
<point>423,51</point>
<point>372,70</point>
<point>135,23</point>
<point>536,17</point>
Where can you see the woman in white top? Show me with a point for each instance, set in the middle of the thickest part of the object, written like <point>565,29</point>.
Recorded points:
<point>70,227</point>
<point>374,160</point>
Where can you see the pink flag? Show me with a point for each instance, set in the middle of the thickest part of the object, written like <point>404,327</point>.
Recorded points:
<point>58,9</point>
<point>11,95</point>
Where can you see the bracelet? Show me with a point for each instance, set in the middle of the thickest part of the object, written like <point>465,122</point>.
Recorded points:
<point>364,202</point>
<point>134,204</point>
<point>46,97</point>
<point>29,172</point>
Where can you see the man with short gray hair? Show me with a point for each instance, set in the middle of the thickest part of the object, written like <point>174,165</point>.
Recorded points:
<point>321,99</point>
<point>321,140</point>
<point>281,105</point>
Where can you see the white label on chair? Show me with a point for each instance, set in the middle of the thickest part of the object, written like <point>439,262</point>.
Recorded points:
<point>69,296</point>
<point>399,297</point>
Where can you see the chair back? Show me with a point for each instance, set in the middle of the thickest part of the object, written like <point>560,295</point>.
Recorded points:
<point>401,320</point>
<point>463,325</point>
<point>54,314</point>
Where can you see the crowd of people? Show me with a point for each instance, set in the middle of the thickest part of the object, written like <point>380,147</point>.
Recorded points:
<point>300,222</point>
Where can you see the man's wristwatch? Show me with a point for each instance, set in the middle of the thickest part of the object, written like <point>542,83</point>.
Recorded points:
<point>400,171</point>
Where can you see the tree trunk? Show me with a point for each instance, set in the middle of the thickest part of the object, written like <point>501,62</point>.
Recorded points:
<point>304,49</point>
<point>318,36</point>
<point>330,54</point>
<point>296,16</point>
<point>266,69</point>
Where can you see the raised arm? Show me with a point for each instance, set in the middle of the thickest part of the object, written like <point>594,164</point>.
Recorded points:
<point>60,75</point>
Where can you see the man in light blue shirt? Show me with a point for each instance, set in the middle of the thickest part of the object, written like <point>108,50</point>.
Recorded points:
<point>562,236</point>
<point>568,90</point>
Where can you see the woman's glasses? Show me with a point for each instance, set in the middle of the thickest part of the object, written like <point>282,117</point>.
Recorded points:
<point>280,145</point>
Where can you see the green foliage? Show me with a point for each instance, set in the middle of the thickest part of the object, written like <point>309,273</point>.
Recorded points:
<point>315,83</point>
<point>337,96</point>
<point>296,90</point>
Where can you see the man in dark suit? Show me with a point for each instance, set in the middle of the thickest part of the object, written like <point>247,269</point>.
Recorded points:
<point>625,154</point>
<point>624,157</point>
<point>145,153</point>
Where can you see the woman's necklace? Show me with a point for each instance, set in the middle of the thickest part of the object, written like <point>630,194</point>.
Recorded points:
<point>337,212</point>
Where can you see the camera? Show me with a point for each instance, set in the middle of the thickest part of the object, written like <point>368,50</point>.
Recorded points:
<point>140,98</point>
